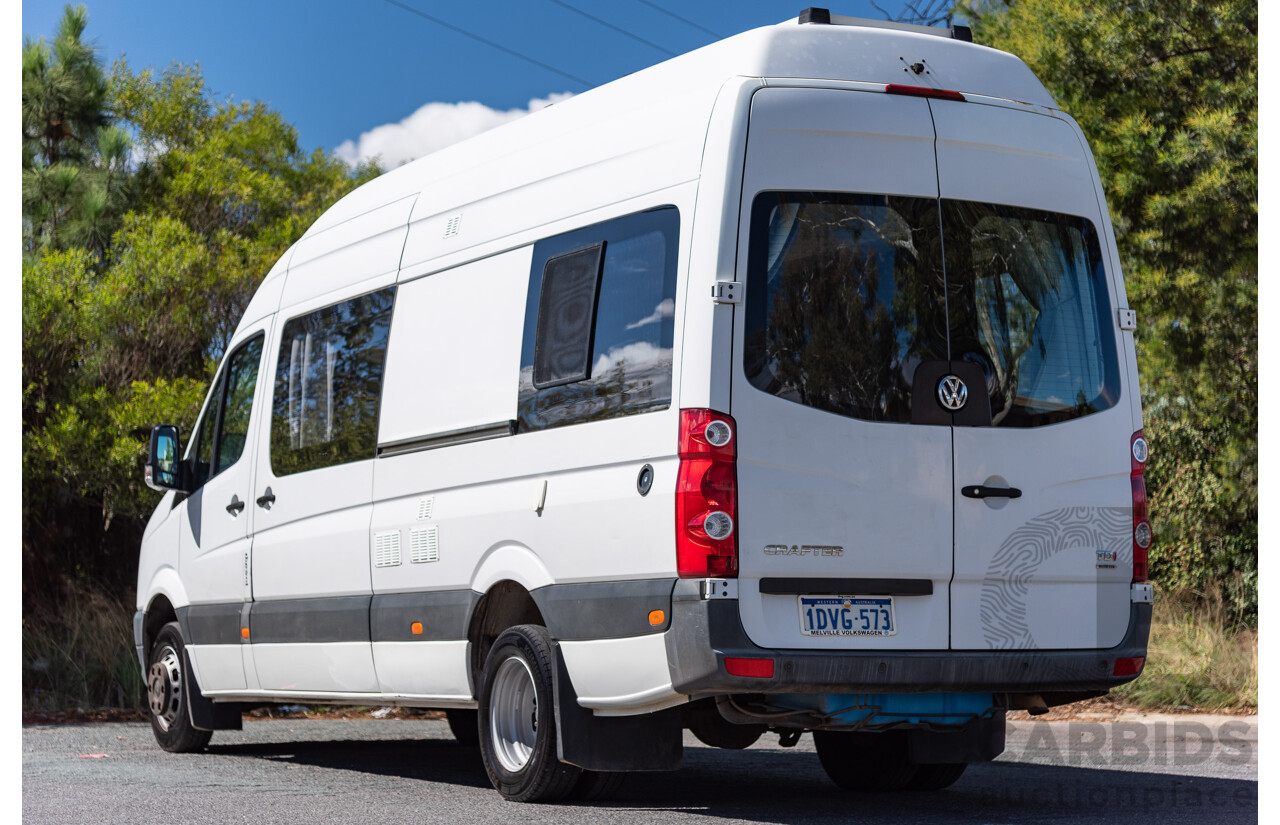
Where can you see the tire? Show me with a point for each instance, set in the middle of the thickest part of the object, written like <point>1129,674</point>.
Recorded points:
<point>713,730</point>
<point>518,720</point>
<point>935,777</point>
<point>465,726</point>
<point>167,689</point>
<point>865,761</point>
<point>597,786</point>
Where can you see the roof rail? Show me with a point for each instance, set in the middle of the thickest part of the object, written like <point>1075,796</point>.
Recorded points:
<point>825,17</point>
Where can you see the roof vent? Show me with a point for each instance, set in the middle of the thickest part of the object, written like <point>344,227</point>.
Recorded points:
<point>812,15</point>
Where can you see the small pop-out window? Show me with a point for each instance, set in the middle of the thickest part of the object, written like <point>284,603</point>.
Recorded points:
<point>566,317</point>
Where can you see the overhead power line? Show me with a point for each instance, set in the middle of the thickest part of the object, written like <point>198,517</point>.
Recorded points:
<point>684,20</point>
<point>609,25</point>
<point>489,43</point>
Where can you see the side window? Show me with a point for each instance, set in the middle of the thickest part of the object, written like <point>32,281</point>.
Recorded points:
<point>599,322</point>
<point>224,427</point>
<point>242,377</point>
<point>203,467</point>
<point>328,382</point>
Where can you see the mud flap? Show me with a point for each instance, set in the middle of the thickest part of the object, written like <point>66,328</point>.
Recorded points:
<point>206,714</point>
<point>647,742</point>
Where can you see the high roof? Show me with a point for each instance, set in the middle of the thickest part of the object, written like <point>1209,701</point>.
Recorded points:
<point>846,50</point>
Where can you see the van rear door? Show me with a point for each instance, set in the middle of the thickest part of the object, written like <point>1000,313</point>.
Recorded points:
<point>839,493</point>
<point>1031,303</point>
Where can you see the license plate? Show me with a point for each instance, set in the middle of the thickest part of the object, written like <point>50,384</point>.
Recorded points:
<point>847,616</point>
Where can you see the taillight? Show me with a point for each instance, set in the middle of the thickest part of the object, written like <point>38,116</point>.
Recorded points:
<point>707,496</point>
<point>1142,534</point>
<point>923,91</point>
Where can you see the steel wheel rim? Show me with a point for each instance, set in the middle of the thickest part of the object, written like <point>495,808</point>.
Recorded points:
<point>513,714</point>
<point>164,688</point>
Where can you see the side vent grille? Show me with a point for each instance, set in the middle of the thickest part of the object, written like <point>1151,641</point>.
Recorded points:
<point>451,228</point>
<point>425,507</point>
<point>386,549</point>
<point>424,544</point>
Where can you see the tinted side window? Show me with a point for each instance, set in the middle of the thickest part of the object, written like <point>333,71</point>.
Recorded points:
<point>626,368</point>
<point>242,377</point>
<point>328,382</point>
<point>203,466</point>
<point>845,297</point>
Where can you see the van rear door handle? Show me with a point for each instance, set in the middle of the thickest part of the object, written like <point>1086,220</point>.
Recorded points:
<point>982,491</point>
<point>235,506</point>
<point>267,498</point>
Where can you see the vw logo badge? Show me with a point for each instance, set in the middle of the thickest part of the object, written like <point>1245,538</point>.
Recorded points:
<point>952,393</point>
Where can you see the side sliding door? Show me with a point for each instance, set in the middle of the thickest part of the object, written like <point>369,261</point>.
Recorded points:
<point>309,625</point>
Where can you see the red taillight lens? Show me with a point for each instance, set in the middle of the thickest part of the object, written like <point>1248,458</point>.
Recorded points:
<point>707,496</point>
<point>1128,667</point>
<point>755,668</point>
<point>1142,534</point>
<point>923,91</point>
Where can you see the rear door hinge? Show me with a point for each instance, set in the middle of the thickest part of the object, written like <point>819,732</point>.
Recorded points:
<point>1128,319</point>
<point>726,292</point>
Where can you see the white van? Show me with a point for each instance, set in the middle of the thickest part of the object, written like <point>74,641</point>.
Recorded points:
<point>787,385</point>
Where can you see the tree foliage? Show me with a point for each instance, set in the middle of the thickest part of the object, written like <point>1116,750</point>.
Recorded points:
<point>1167,93</point>
<point>150,214</point>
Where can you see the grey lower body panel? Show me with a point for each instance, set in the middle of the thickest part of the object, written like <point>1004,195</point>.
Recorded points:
<point>705,632</point>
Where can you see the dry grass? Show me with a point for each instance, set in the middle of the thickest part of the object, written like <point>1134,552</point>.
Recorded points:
<point>1196,658</point>
<point>81,655</point>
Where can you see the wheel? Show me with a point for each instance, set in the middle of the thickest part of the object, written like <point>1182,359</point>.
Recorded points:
<point>865,761</point>
<point>596,786</point>
<point>167,687</point>
<point>935,777</point>
<point>517,719</point>
<point>710,728</point>
<point>464,725</point>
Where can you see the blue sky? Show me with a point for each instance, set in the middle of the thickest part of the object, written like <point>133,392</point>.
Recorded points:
<point>339,70</point>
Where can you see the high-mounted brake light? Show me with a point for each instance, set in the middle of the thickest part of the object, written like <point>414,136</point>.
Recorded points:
<point>707,496</point>
<point>1142,534</point>
<point>923,91</point>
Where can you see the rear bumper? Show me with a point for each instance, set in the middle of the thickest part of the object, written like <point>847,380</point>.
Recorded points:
<point>706,631</point>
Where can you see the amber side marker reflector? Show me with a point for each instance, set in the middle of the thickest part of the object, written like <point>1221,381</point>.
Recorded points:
<point>755,668</point>
<point>923,91</point>
<point>416,628</point>
<point>1128,667</point>
<point>657,617</point>
<point>244,633</point>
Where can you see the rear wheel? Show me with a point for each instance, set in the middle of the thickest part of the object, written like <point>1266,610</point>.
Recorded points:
<point>167,692</point>
<point>865,761</point>
<point>935,777</point>
<point>517,719</point>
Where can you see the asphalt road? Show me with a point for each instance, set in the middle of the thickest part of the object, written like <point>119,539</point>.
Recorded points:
<point>1165,770</point>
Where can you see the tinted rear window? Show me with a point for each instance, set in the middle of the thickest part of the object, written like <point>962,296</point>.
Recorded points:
<point>848,295</point>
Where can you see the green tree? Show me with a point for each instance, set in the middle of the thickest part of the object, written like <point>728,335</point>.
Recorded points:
<point>138,263</point>
<point>1167,94</point>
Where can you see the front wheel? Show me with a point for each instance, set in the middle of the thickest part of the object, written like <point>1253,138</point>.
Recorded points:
<point>517,719</point>
<point>167,694</point>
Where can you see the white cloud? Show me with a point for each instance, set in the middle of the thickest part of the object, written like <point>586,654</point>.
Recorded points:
<point>665,309</point>
<point>638,356</point>
<point>432,127</point>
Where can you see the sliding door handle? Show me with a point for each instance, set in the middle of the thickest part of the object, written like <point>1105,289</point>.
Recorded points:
<point>982,491</point>
<point>267,499</point>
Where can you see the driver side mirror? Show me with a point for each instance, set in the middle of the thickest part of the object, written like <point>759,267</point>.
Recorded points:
<point>164,468</point>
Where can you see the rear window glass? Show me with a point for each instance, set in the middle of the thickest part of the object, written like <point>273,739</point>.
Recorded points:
<point>845,298</point>
<point>848,296</point>
<point>1030,306</point>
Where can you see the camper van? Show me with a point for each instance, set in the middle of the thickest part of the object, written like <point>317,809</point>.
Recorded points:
<point>788,385</point>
